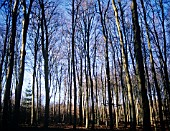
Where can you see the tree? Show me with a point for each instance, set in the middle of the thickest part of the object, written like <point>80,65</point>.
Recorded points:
<point>5,117</point>
<point>105,34</point>
<point>45,46</point>
<point>74,18</point>
<point>36,47</point>
<point>22,60</point>
<point>125,67</point>
<point>90,63</point>
<point>87,16</point>
<point>153,69</point>
<point>3,55</point>
<point>140,66</point>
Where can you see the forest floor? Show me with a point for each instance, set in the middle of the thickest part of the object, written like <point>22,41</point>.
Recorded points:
<point>63,127</point>
<point>70,128</point>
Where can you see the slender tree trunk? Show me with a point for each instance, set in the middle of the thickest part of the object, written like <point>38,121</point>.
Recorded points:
<point>81,83</point>
<point>149,87</point>
<point>161,58</point>
<point>105,33</point>
<point>140,67</point>
<point>39,109</point>
<point>103,94</point>
<point>64,105</point>
<point>54,106</point>
<point>3,57</point>
<point>125,67</point>
<point>105,105</point>
<point>59,114</point>
<point>33,113</point>
<point>96,83</point>
<point>37,106</point>
<point>73,63</point>
<point>18,90</point>
<point>123,91</point>
<point>5,116</point>
<point>33,87</point>
<point>167,81</point>
<point>97,101</point>
<point>165,49</point>
<point>153,70</point>
<point>87,96</point>
<point>45,56</point>
<point>108,84</point>
<point>117,92</point>
<point>70,84</point>
<point>59,84</point>
<point>89,70</point>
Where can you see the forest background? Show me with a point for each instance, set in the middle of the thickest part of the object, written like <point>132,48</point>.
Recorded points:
<point>85,64</point>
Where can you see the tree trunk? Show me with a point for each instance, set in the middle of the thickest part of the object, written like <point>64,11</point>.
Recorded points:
<point>123,91</point>
<point>33,113</point>
<point>70,84</point>
<point>45,56</point>
<point>3,57</point>
<point>149,87</point>
<point>59,78</point>
<point>73,63</point>
<point>125,67</point>
<point>105,33</point>
<point>37,106</point>
<point>89,71</point>
<point>80,92</point>
<point>39,109</point>
<point>140,66</point>
<point>5,117</point>
<point>96,83</point>
<point>153,70</point>
<point>18,90</point>
<point>87,96</point>
<point>165,49</point>
<point>6,108</point>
